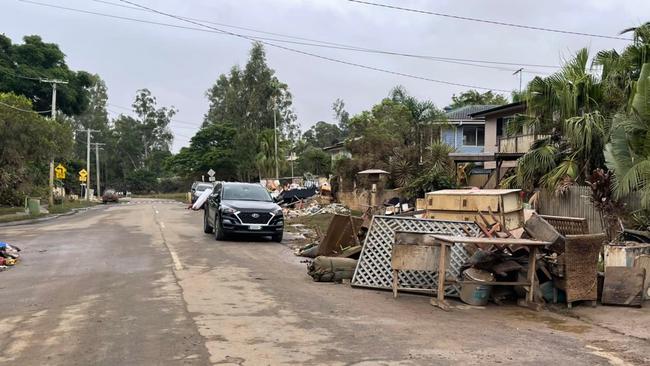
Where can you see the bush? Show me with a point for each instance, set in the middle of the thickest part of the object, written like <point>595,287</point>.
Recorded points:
<point>432,180</point>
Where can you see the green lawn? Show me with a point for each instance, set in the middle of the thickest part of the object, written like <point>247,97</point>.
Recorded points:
<point>7,210</point>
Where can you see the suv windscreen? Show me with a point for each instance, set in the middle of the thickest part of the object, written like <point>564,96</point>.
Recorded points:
<point>245,193</point>
<point>203,187</point>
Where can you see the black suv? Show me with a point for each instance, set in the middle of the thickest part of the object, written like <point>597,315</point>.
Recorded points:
<point>242,208</point>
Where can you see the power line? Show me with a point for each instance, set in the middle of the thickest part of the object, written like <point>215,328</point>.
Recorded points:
<point>331,59</point>
<point>263,41</point>
<point>24,110</point>
<point>21,76</point>
<point>319,43</point>
<point>343,46</point>
<point>487,21</point>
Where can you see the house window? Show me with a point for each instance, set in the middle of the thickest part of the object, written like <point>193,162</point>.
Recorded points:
<point>473,135</point>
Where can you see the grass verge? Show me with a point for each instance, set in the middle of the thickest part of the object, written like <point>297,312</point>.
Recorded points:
<point>67,206</point>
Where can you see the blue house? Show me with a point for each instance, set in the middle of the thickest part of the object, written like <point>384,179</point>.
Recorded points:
<point>463,132</point>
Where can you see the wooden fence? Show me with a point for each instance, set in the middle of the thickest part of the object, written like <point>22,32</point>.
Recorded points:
<point>576,203</point>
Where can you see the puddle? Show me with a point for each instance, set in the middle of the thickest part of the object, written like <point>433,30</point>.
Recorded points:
<point>552,322</point>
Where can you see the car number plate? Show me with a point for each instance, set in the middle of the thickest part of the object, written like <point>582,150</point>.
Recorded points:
<point>255,227</point>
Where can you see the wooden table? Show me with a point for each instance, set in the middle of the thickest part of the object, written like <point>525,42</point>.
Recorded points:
<point>444,241</point>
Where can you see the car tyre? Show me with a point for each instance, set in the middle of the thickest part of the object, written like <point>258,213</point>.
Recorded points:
<point>277,238</point>
<point>218,230</point>
<point>207,228</point>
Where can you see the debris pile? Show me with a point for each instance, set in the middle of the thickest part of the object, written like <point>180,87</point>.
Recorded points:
<point>493,253</point>
<point>9,255</point>
<point>337,252</point>
<point>311,207</point>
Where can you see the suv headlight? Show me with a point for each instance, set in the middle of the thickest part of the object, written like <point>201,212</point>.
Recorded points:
<point>277,212</point>
<point>228,210</point>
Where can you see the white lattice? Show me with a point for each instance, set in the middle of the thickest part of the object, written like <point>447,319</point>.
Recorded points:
<point>374,269</point>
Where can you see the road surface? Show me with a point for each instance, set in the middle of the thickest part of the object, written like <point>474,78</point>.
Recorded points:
<point>140,284</point>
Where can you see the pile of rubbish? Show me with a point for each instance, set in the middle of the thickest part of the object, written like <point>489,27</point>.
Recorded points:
<point>312,207</point>
<point>9,255</point>
<point>570,264</point>
<point>335,256</point>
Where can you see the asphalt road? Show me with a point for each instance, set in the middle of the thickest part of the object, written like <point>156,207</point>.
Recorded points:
<point>140,284</point>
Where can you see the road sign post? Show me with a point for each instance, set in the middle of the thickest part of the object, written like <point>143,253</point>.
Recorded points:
<point>211,173</point>
<point>60,171</point>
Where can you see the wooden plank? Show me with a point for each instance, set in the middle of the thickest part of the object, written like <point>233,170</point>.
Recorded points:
<point>505,241</point>
<point>623,286</point>
<point>643,261</point>
<point>415,257</point>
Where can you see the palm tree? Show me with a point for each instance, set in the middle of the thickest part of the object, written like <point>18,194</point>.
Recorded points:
<point>423,112</point>
<point>566,105</point>
<point>628,153</point>
<point>265,158</point>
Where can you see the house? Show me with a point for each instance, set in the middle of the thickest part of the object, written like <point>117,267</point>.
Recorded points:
<point>337,151</point>
<point>463,131</point>
<point>502,142</point>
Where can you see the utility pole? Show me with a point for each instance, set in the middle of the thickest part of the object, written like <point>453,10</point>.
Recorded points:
<point>520,71</point>
<point>97,144</point>
<point>54,82</point>
<point>275,130</point>
<point>88,132</point>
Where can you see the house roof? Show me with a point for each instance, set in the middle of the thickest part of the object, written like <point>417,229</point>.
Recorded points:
<point>506,108</point>
<point>465,113</point>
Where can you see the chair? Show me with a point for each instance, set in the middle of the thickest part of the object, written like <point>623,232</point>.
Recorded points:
<point>580,281</point>
<point>568,225</point>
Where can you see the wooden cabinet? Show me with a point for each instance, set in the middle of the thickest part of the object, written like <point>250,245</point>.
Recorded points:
<point>463,205</point>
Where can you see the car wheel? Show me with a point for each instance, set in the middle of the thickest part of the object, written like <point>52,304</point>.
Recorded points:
<point>207,228</point>
<point>277,238</point>
<point>218,229</point>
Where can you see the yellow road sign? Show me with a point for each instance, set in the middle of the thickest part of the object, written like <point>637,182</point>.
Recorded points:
<point>60,171</point>
<point>83,178</point>
<point>83,173</point>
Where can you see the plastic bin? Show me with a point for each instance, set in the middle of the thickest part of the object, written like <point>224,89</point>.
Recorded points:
<point>34,206</point>
<point>476,294</point>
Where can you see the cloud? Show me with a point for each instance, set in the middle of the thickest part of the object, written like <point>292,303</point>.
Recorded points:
<point>178,66</point>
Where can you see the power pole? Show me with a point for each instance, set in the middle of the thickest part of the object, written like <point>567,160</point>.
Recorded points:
<point>54,82</point>
<point>88,132</point>
<point>97,165</point>
<point>275,130</point>
<point>520,71</point>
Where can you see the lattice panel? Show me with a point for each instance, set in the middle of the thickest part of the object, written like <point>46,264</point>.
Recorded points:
<point>374,269</point>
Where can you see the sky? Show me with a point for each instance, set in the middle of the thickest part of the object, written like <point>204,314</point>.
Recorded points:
<point>180,65</point>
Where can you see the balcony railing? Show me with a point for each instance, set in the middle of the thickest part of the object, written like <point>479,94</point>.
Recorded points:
<point>518,143</point>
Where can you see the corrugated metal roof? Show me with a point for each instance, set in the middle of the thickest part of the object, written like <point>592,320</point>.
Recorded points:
<point>463,113</point>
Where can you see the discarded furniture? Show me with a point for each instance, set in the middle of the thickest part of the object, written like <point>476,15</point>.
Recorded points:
<point>374,267</point>
<point>566,225</point>
<point>502,205</point>
<point>622,255</point>
<point>643,261</point>
<point>414,252</point>
<point>537,227</point>
<point>623,286</point>
<point>341,233</point>
<point>580,269</point>
<point>449,241</point>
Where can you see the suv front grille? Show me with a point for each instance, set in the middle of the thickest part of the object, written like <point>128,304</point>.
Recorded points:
<point>249,217</point>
